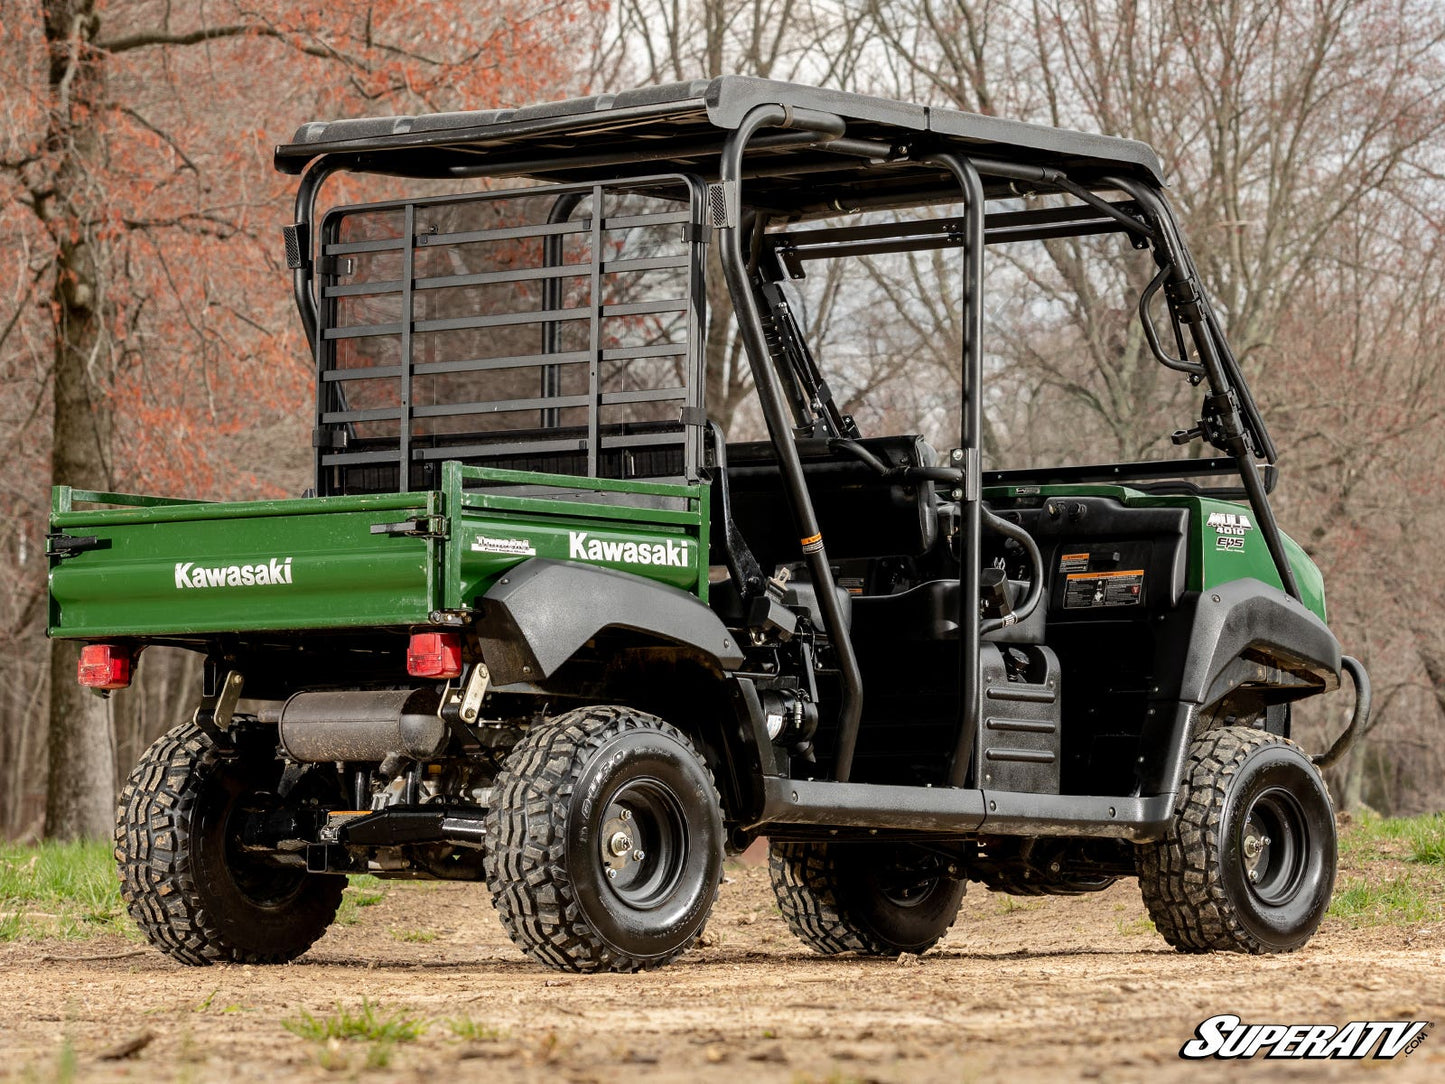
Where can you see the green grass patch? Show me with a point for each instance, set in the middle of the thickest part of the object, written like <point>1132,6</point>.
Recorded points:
<point>362,890</point>
<point>1135,927</point>
<point>1415,839</point>
<point>1007,905</point>
<point>1399,900</point>
<point>466,1028</point>
<point>60,890</point>
<point>1398,867</point>
<point>415,937</point>
<point>367,1024</point>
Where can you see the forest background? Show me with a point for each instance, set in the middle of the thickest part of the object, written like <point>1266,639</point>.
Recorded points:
<point>148,341</point>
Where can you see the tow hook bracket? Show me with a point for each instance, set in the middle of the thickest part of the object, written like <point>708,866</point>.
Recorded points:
<point>213,716</point>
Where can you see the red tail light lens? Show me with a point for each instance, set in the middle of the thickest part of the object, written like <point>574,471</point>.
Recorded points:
<point>434,655</point>
<point>105,666</point>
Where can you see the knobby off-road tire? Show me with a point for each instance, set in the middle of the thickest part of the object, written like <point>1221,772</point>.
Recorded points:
<point>604,842</point>
<point>874,899</point>
<point>197,897</point>
<point>1251,802</point>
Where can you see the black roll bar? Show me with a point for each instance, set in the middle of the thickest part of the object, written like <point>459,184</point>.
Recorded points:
<point>1228,391</point>
<point>970,507</point>
<point>770,398</point>
<point>301,277</point>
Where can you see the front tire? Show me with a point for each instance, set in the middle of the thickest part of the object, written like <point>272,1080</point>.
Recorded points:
<point>1248,863</point>
<point>194,893</point>
<point>875,899</point>
<point>604,842</point>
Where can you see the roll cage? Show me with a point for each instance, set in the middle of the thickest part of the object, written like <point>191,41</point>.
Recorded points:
<point>769,158</point>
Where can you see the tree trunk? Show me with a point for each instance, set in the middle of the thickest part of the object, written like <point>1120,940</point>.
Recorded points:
<point>80,788</point>
<point>1352,796</point>
<point>80,795</point>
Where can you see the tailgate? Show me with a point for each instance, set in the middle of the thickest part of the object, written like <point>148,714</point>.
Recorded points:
<point>162,567</point>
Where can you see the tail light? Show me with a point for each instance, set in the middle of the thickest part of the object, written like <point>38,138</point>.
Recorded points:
<point>105,666</point>
<point>434,655</point>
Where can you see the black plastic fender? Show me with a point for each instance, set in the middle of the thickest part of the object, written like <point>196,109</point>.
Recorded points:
<point>1242,631</point>
<point>540,613</point>
<point>1250,616</point>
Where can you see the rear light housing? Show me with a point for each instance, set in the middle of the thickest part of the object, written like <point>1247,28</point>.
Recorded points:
<point>434,655</point>
<point>105,666</point>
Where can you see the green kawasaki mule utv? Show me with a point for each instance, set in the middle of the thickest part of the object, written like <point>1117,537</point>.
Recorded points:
<point>541,624</point>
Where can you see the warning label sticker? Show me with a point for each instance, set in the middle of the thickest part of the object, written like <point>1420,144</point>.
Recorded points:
<point>1073,562</point>
<point>1088,590</point>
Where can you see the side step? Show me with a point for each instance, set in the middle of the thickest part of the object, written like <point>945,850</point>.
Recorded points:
<point>960,811</point>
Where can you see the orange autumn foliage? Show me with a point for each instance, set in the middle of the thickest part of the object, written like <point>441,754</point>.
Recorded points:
<point>206,374</point>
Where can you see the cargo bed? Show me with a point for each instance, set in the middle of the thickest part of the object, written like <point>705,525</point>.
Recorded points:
<point>161,567</point>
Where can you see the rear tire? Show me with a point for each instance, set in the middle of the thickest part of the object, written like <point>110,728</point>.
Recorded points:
<point>194,894</point>
<point>1248,863</point>
<point>875,899</point>
<point>604,842</point>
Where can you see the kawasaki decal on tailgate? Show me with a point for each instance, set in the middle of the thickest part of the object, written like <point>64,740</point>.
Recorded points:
<point>188,574</point>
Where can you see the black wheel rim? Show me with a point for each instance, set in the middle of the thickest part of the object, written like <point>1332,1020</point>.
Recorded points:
<point>909,895</point>
<point>906,887</point>
<point>1273,845</point>
<point>262,884</point>
<point>643,843</point>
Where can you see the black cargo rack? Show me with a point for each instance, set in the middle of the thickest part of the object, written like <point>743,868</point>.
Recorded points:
<point>521,318</point>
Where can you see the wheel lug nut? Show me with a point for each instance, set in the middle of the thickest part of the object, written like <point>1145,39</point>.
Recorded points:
<point>1253,875</point>
<point>627,814</point>
<point>611,873</point>
<point>638,856</point>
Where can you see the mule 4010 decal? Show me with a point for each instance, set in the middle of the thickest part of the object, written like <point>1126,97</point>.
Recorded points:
<point>1229,529</point>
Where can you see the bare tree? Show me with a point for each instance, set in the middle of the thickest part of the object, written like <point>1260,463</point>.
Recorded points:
<point>1306,159</point>
<point>147,222</point>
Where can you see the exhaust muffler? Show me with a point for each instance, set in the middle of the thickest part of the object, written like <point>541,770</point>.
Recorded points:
<point>362,726</point>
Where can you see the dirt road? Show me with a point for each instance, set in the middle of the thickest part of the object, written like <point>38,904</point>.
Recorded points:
<point>1054,989</point>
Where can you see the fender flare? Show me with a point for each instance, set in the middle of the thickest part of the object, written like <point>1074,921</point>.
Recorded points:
<point>1213,643</point>
<point>1250,617</point>
<point>541,612</point>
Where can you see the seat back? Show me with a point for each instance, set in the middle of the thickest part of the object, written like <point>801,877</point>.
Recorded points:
<point>861,514</point>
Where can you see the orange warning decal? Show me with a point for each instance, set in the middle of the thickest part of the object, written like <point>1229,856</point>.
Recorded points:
<point>1104,575</point>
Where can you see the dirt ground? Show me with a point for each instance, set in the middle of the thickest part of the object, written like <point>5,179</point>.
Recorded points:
<point>1056,989</point>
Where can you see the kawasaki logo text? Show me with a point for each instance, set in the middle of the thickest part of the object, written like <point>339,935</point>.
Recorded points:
<point>671,554</point>
<point>188,574</point>
<point>1226,1036</point>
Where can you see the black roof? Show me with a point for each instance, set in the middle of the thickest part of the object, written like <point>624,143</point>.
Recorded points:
<point>680,127</point>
